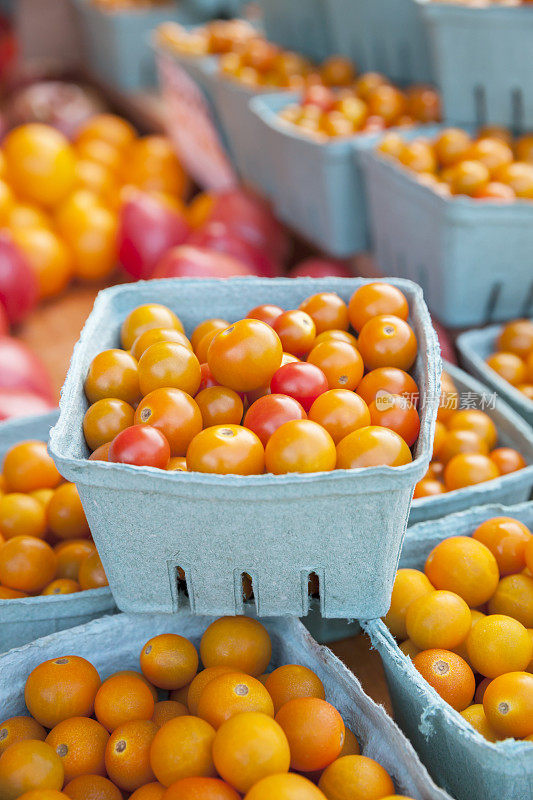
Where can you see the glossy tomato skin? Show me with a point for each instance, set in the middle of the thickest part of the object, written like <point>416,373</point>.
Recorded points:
<point>304,382</point>
<point>268,413</point>
<point>226,450</point>
<point>19,290</point>
<point>300,446</point>
<point>372,446</point>
<point>245,356</point>
<point>142,446</point>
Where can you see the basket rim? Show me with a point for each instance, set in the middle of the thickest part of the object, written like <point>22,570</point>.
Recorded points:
<point>524,431</point>
<point>382,639</point>
<point>466,344</point>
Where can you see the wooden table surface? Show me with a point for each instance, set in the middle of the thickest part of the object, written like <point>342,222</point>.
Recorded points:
<point>52,331</point>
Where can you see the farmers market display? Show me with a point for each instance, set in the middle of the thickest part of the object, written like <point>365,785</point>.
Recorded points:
<point>301,415</point>
<point>285,208</point>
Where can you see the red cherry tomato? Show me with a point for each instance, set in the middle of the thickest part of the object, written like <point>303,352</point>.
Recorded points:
<point>304,382</point>
<point>141,445</point>
<point>19,290</point>
<point>148,228</point>
<point>207,378</point>
<point>269,412</point>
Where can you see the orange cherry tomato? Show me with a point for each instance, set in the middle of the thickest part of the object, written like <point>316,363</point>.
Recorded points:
<point>174,413</point>
<point>340,362</point>
<point>509,366</point>
<point>340,412</point>
<point>372,446</point>
<point>449,675</point>
<point>207,326</point>
<point>467,469</point>
<point>517,337</point>
<point>452,146</point>
<point>48,256</point>
<point>104,420</point>
<point>398,414</point>
<point>375,299</point>
<point>387,341</point>
<point>245,356</point>
<point>428,487</point>
<point>107,127</point>
<point>219,406</point>
<point>327,310</point>
<point>226,450</point>
<point>144,318</point>
<point>113,373</point>
<point>507,539</point>
<point>168,364</point>
<point>508,704</point>
<point>155,335</point>
<point>300,446</point>
<point>296,330</point>
<point>389,380</point>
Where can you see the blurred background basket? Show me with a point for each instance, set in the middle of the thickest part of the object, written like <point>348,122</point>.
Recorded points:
<point>25,619</point>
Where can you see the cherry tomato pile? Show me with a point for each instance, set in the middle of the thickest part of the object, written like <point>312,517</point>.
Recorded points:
<point>45,541</point>
<point>513,359</point>
<point>490,166</point>
<point>363,103</point>
<point>467,624</point>
<point>465,448</point>
<point>279,391</point>
<point>172,731</point>
<point>60,202</point>
<point>370,104</point>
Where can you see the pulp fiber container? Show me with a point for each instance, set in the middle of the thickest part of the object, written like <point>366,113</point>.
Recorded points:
<point>483,60</point>
<point>513,431</point>
<point>316,185</point>
<point>250,149</point>
<point>475,347</point>
<point>278,529</point>
<point>301,25</point>
<point>377,734</point>
<point>382,36</point>
<point>25,619</point>
<point>117,44</point>
<point>472,258</point>
<point>458,758</point>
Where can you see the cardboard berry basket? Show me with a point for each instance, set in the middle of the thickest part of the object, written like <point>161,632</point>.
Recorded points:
<point>472,258</point>
<point>347,526</point>
<point>382,36</point>
<point>475,347</point>
<point>316,185</point>
<point>458,758</point>
<point>117,43</point>
<point>482,61</point>
<point>377,734</point>
<point>25,619</point>
<point>301,25</point>
<point>512,432</point>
